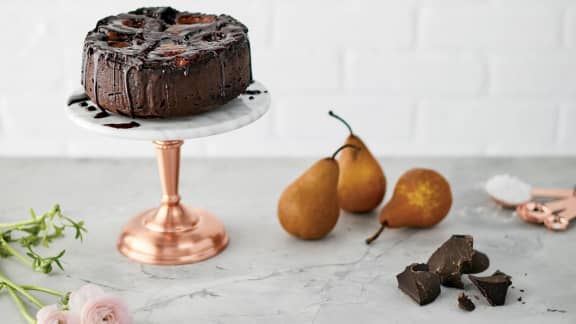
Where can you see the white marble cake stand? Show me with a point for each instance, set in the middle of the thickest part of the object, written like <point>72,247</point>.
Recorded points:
<point>174,233</point>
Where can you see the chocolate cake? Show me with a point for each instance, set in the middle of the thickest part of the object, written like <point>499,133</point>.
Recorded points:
<point>159,62</point>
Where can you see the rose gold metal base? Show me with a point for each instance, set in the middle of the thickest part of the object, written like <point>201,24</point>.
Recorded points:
<point>173,233</point>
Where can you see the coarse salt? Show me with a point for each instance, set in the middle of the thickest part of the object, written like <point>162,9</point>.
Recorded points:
<point>508,189</point>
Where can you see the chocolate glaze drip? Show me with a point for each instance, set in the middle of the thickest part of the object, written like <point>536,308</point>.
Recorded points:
<point>77,98</point>
<point>124,125</point>
<point>126,78</point>
<point>102,114</point>
<point>250,58</point>
<point>253,92</point>
<point>222,76</point>
<point>95,77</point>
<point>172,63</point>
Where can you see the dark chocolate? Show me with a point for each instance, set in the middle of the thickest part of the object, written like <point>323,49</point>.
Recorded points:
<point>451,258</point>
<point>159,62</point>
<point>465,303</point>
<point>494,288</point>
<point>123,125</point>
<point>479,263</point>
<point>419,283</point>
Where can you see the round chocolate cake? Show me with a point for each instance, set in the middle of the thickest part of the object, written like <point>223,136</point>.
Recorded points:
<point>159,62</point>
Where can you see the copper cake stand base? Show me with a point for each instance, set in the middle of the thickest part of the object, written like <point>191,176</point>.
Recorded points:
<point>172,233</point>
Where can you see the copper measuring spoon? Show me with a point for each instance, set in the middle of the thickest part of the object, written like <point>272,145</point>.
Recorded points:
<point>555,215</point>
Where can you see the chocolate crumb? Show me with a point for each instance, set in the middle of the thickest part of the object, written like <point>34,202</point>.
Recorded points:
<point>554,310</point>
<point>251,97</point>
<point>519,299</point>
<point>83,104</point>
<point>521,290</point>
<point>465,303</point>
<point>477,298</point>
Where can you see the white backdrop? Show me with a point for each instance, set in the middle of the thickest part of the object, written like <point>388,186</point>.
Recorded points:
<point>413,77</point>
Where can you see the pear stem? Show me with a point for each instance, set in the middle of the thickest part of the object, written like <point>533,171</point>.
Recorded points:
<point>375,236</point>
<point>343,147</point>
<point>331,113</point>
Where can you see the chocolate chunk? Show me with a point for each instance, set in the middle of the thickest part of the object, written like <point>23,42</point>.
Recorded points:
<point>479,263</point>
<point>493,287</point>
<point>451,258</point>
<point>465,303</point>
<point>419,283</point>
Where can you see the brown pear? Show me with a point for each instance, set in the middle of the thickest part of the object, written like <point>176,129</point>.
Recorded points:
<point>362,184</point>
<point>309,208</point>
<point>422,198</point>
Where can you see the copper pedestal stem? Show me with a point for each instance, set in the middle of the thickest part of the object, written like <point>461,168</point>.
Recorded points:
<point>172,233</point>
<point>170,216</point>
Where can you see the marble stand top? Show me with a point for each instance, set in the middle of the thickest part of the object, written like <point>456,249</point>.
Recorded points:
<point>235,114</point>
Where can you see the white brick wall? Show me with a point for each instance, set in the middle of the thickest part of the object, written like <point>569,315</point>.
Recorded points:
<point>414,77</point>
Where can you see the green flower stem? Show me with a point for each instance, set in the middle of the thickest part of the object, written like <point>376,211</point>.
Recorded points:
<point>18,224</point>
<point>44,290</point>
<point>15,253</point>
<point>23,292</point>
<point>21,306</point>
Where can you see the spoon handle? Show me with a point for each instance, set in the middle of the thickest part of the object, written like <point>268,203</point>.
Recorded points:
<point>552,193</point>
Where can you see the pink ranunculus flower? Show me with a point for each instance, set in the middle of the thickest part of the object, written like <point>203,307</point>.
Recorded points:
<point>52,315</point>
<point>94,306</point>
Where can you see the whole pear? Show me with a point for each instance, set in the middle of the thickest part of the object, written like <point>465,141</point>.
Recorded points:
<point>308,208</point>
<point>362,183</point>
<point>422,198</point>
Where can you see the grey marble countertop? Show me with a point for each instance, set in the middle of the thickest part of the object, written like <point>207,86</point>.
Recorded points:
<point>266,276</point>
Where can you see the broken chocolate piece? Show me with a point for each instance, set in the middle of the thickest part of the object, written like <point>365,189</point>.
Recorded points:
<point>465,303</point>
<point>450,258</point>
<point>419,283</point>
<point>494,287</point>
<point>479,263</point>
